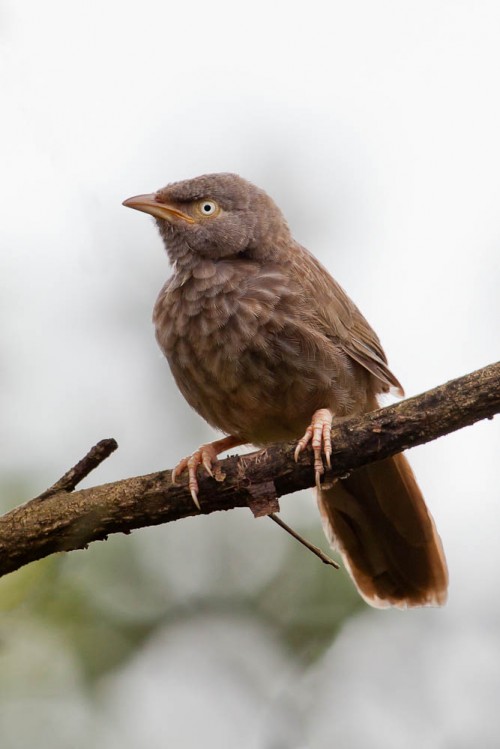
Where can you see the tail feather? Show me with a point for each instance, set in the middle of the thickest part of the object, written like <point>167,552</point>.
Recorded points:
<point>378,520</point>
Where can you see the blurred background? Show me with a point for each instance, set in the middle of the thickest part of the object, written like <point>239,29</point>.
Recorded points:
<point>375,126</point>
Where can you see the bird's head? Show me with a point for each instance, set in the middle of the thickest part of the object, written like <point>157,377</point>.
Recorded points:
<point>214,216</point>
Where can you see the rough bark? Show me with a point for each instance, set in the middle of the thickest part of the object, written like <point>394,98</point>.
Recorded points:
<point>61,519</point>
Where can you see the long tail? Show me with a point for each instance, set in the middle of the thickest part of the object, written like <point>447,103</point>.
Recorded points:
<point>378,520</point>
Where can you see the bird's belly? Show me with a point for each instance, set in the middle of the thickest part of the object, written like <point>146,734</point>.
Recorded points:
<point>258,395</point>
<point>249,402</point>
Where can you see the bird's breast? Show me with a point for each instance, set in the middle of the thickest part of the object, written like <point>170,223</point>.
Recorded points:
<point>196,309</point>
<point>240,349</point>
<point>208,321</point>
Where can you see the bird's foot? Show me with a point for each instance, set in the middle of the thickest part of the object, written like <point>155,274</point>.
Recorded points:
<point>318,433</point>
<point>205,455</point>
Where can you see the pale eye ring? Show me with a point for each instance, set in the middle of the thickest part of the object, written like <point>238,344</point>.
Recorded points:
<point>208,207</point>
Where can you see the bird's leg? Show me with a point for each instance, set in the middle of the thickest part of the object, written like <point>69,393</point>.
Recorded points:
<point>318,433</point>
<point>205,455</point>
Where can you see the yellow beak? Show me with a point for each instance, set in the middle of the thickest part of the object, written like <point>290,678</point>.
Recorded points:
<point>149,204</point>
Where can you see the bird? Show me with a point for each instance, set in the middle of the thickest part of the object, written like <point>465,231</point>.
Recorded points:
<point>266,346</point>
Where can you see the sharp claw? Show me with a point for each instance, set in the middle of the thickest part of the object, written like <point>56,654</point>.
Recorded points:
<point>178,470</point>
<point>327,441</point>
<point>194,496</point>
<point>302,443</point>
<point>207,465</point>
<point>318,433</point>
<point>206,455</point>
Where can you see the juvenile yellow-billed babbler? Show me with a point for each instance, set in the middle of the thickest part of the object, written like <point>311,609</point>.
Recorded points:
<point>266,346</point>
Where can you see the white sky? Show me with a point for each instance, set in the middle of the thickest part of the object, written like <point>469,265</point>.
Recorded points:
<point>375,126</point>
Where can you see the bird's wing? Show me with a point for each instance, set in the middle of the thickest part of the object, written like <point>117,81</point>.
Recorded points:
<point>341,319</point>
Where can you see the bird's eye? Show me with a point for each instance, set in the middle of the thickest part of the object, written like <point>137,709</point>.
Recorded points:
<point>208,207</point>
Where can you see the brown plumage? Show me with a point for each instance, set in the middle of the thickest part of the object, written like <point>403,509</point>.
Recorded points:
<point>266,346</point>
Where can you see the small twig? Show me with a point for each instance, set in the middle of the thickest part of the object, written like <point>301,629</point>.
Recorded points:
<point>95,456</point>
<point>315,550</point>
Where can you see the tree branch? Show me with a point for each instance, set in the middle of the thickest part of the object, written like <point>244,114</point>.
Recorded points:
<point>62,520</point>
